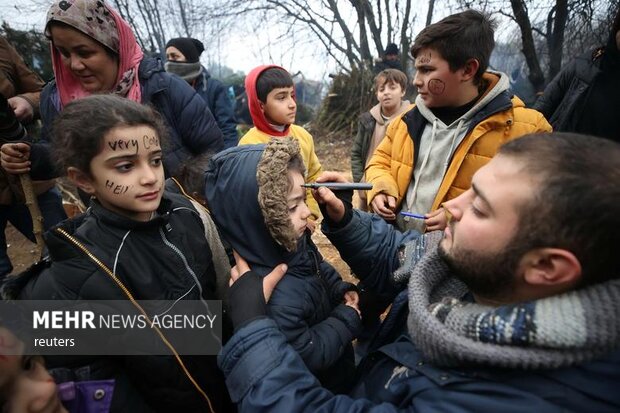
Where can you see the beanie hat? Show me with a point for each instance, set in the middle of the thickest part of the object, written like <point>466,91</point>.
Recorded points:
<point>191,48</point>
<point>391,49</point>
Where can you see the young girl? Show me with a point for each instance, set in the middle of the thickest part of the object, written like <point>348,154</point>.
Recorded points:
<point>314,308</point>
<point>136,241</point>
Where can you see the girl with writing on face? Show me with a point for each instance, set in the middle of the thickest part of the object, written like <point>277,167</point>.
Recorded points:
<point>136,240</point>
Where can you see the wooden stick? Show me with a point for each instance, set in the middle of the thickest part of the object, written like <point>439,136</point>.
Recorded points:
<point>35,212</point>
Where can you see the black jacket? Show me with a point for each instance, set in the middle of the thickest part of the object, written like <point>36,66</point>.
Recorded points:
<point>165,258</point>
<point>216,95</point>
<point>583,97</point>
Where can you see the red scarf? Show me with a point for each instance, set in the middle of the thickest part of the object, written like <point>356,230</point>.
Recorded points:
<point>129,55</point>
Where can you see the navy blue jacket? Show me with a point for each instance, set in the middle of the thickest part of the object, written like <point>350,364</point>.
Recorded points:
<point>216,96</point>
<point>264,374</point>
<point>191,126</point>
<point>307,305</point>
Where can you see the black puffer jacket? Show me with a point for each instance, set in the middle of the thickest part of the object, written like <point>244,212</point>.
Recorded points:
<point>165,258</point>
<point>307,303</point>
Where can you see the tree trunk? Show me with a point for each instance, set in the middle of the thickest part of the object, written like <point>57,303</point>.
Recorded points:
<point>429,14</point>
<point>558,15</point>
<point>536,76</point>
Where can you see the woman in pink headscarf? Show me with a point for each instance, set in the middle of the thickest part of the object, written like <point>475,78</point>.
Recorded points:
<point>95,51</point>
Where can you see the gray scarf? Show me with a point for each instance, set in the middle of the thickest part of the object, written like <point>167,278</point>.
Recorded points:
<point>553,332</point>
<point>186,71</point>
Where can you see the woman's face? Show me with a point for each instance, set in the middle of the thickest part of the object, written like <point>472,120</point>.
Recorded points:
<point>92,64</point>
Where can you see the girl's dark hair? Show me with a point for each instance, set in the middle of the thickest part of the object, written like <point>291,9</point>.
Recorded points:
<point>79,130</point>
<point>192,173</point>
<point>270,79</point>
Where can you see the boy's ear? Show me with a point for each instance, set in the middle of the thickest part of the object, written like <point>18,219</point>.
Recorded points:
<point>81,180</point>
<point>470,69</point>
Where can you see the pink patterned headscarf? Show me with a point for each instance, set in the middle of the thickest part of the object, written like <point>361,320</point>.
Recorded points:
<point>102,23</point>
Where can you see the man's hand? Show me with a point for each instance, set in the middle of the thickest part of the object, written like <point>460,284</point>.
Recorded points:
<point>22,108</point>
<point>436,220</point>
<point>269,282</point>
<point>14,157</point>
<point>384,206</point>
<point>324,196</point>
<point>249,292</point>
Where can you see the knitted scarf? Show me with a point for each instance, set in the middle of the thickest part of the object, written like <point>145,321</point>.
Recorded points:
<point>548,333</point>
<point>187,71</point>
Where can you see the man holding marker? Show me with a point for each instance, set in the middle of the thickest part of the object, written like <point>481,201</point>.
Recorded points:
<point>461,116</point>
<point>514,308</point>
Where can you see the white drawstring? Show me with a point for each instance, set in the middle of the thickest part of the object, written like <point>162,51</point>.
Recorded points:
<point>453,144</point>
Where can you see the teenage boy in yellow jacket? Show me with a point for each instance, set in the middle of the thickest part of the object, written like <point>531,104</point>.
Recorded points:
<point>462,115</point>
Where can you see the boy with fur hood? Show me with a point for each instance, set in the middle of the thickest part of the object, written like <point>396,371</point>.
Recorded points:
<point>271,99</point>
<point>314,308</point>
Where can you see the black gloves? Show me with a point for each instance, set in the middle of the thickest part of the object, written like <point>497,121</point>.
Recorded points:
<point>246,299</point>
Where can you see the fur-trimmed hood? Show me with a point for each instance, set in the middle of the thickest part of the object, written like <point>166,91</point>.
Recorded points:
<point>254,221</point>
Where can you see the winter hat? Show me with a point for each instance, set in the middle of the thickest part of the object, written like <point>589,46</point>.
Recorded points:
<point>191,48</point>
<point>391,49</point>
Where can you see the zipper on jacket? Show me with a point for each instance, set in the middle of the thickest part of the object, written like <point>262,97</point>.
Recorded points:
<point>187,267</point>
<point>126,291</point>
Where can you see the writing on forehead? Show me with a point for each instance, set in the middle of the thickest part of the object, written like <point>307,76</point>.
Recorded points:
<point>150,141</point>
<point>424,58</point>
<point>115,188</point>
<point>121,144</point>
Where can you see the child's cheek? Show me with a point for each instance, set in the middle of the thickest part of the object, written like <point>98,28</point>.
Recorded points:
<point>116,187</point>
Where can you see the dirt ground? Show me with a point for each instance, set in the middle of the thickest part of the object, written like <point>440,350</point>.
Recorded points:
<point>334,156</point>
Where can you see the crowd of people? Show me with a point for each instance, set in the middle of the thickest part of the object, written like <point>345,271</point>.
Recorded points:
<point>484,252</point>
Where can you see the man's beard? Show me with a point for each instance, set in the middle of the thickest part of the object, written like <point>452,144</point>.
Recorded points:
<point>488,275</point>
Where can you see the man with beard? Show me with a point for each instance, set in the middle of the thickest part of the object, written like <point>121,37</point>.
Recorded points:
<point>514,307</point>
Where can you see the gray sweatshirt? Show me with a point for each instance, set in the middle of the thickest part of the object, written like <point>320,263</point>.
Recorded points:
<point>437,145</point>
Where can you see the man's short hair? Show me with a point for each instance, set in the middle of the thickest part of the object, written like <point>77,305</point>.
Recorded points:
<point>577,206</point>
<point>270,79</point>
<point>391,76</point>
<point>458,38</point>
